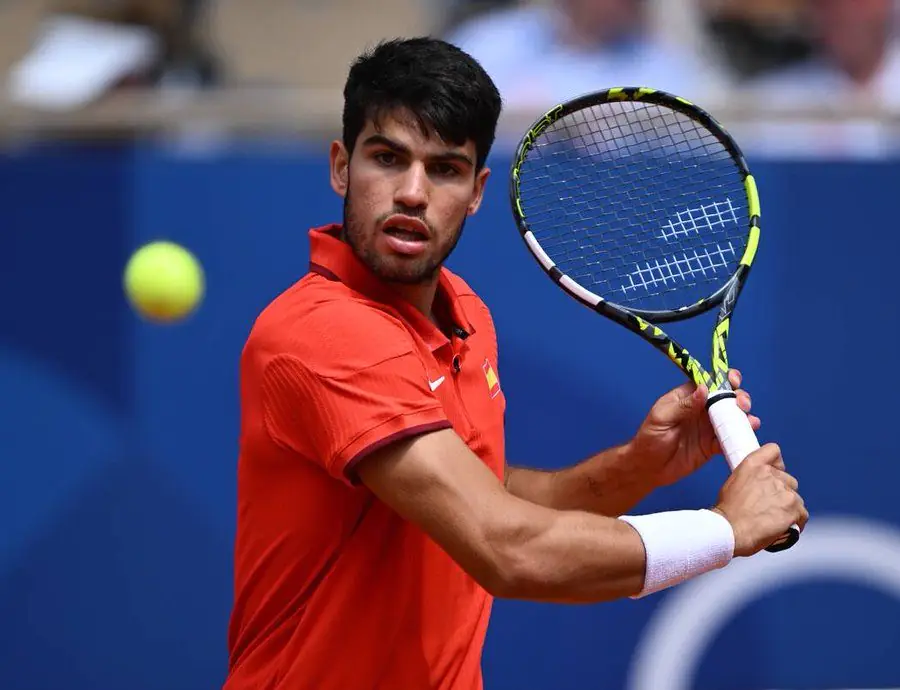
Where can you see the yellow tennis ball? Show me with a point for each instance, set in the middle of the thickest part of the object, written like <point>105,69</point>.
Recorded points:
<point>164,282</point>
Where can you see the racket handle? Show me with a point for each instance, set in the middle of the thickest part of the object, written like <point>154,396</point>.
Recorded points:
<point>738,440</point>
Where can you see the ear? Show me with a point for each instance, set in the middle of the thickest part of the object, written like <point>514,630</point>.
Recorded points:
<point>340,167</point>
<point>480,182</point>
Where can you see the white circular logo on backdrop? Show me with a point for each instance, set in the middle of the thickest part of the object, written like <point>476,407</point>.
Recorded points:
<point>850,549</point>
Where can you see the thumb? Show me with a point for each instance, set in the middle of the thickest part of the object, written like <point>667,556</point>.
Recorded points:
<point>682,403</point>
<point>693,401</point>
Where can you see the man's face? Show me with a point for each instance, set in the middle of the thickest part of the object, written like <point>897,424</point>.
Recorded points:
<point>850,27</point>
<point>406,197</point>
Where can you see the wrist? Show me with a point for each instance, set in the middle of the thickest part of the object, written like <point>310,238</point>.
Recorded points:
<point>605,484</point>
<point>629,466</point>
<point>738,540</point>
<point>626,464</point>
<point>682,544</point>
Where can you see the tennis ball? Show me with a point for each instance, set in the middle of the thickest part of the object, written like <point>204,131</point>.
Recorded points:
<point>163,282</point>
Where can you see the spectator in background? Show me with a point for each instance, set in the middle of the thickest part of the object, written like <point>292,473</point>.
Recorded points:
<point>85,49</point>
<point>542,53</point>
<point>752,37</point>
<point>857,55</point>
<point>457,12</point>
<point>856,62</point>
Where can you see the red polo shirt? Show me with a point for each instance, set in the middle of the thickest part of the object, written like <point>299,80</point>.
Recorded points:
<point>333,590</point>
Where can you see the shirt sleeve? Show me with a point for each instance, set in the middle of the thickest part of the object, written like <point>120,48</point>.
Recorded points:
<point>363,386</point>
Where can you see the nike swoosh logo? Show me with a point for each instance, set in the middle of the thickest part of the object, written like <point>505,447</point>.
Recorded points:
<point>434,384</point>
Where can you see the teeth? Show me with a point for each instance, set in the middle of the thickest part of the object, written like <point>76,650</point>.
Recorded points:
<point>405,234</point>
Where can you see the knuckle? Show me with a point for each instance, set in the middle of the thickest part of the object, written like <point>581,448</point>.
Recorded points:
<point>758,454</point>
<point>761,458</point>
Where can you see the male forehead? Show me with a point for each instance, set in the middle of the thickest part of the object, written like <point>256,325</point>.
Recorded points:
<point>404,128</point>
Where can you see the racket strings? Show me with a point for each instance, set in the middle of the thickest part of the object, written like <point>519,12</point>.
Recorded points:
<point>637,203</point>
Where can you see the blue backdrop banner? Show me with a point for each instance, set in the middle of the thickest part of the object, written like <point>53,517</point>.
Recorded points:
<point>118,439</point>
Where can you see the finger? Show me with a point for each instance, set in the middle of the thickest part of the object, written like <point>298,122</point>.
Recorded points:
<point>778,462</point>
<point>755,422</point>
<point>701,393</point>
<point>788,480</point>
<point>770,454</point>
<point>802,513</point>
<point>803,519</point>
<point>685,390</point>
<point>695,399</point>
<point>679,403</point>
<point>734,378</point>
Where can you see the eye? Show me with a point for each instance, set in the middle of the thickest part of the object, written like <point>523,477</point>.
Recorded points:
<point>445,169</point>
<point>386,158</point>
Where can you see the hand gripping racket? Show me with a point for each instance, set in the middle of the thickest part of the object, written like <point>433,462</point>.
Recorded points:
<point>641,206</point>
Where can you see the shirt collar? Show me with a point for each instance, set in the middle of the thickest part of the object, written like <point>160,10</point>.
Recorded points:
<point>333,258</point>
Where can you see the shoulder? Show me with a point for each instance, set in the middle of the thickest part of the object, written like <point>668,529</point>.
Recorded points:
<point>328,328</point>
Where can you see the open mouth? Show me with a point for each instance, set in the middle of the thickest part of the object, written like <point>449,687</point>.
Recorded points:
<point>405,234</point>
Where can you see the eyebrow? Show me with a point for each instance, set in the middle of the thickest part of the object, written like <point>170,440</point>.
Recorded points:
<point>396,146</point>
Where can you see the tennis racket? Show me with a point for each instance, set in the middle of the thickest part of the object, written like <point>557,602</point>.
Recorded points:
<point>641,206</point>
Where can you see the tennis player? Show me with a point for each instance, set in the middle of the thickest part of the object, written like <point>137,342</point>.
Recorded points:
<point>377,515</point>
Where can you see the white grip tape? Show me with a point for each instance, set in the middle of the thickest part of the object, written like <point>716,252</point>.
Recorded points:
<point>733,430</point>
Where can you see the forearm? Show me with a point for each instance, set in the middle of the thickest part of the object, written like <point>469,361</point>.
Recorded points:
<point>515,548</point>
<point>568,557</point>
<point>579,557</point>
<point>603,484</point>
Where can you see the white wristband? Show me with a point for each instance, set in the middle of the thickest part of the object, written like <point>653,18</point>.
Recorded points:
<point>681,544</point>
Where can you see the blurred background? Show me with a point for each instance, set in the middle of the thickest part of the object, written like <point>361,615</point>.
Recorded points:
<point>206,123</point>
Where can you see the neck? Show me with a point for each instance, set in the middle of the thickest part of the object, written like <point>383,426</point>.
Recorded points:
<point>421,296</point>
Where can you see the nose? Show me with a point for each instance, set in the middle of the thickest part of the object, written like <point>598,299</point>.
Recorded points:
<point>412,190</point>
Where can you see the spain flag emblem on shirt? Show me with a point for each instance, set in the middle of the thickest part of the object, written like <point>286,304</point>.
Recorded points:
<point>491,376</point>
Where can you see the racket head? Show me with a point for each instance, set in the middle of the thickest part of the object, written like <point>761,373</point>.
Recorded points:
<point>636,201</point>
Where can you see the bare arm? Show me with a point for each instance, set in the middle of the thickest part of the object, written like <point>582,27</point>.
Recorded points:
<point>514,548</point>
<point>604,484</point>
